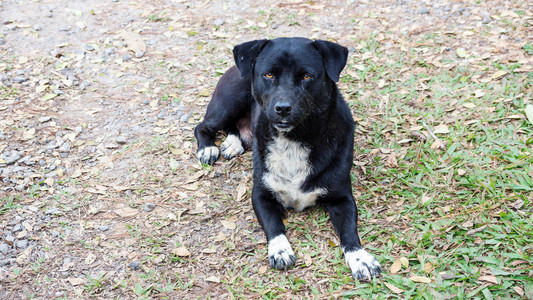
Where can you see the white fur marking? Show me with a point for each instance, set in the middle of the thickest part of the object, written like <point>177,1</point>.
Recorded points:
<point>232,146</point>
<point>362,264</point>
<point>279,249</point>
<point>207,154</point>
<point>287,165</point>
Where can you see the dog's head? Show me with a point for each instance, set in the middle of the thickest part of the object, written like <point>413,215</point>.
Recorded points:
<point>292,78</point>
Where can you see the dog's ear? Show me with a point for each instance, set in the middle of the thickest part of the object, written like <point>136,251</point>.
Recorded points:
<point>335,57</point>
<point>245,55</point>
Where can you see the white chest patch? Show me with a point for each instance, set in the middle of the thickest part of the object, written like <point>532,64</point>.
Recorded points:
<point>287,168</point>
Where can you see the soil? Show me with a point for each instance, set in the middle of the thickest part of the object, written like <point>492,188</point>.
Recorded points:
<point>102,195</point>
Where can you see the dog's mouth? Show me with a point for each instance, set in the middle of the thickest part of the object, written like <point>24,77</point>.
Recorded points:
<point>282,126</point>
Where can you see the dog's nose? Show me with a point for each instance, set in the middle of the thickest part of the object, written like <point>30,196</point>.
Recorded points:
<point>283,108</point>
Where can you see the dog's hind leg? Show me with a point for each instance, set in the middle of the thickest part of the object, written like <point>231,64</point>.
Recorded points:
<point>207,150</point>
<point>232,146</point>
<point>231,101</point>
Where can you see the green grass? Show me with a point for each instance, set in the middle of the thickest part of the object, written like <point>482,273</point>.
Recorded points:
<point>7,203</point>
<point>460,215</point>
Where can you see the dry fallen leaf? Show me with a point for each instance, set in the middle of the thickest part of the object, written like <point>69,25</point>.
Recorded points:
<point>181,251</point>
<point>90,259</point>
<point>428,267</point>
<point>228,224</point>
<point>213,279</point>
<point>191,187</point>
<point>393,288</point>
<point>529,113</point>
<point>241,190</point>
<point>498,74</point>
<point>404,261</point>
<point>76,281</point>
<point>421,279</point>
<point>126,212</point>
<point>426,198</point>
<point>262,270</point>
<point>461,52</point>
<point>488,278</point>
<point>133,41</point>
<point>396,266</point>
<point>519,290</point>
<point>436,144</point>
<point>220,237</point>
<point>443,129</point>
<point>392,161</point>
<point>307,259</point>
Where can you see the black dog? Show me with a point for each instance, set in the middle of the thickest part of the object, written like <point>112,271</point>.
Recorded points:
<point>284,91</point>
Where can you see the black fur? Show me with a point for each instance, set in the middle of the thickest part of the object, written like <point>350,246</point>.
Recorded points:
<point>287,86</point>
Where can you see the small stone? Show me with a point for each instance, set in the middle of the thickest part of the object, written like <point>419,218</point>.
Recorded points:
<point>84,84</point>
<point>42,162</point>
<point>486,18</point>
<point>3,77</point>
<point>63,154</point>
<point>148,207</point>
<point>423,11</point>
<point>65,147</point>
<point>275,26</point>
<point>4,248</point>
<point>111,146</point>
<point>12,158</point>
<point>22,244</point>
<point>103,228</point>
<point>37,27</point>
<point>45,119</point>
<point>134,265</point>
<point>17,228</point>
<point>10,238</point>
<point>126,57</point>
<point>64,28</point>
<point>89,47</point>
<point>109,51</point>
<point>55,233</point>
<point>218,22</point>
<point>185,118</point>
<point>161,115</point>
<point>51,211</point>
<point>4,262</point>
<point>19,79</point>
<point>139,54</point>
<point>58,92</point>
<point>121,140</point>
<point>59,294</point>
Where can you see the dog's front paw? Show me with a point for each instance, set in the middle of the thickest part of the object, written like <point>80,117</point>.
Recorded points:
<point>363,265</point>
<point>208,155</point>
<point>232,146</point>
<point>280,254</point>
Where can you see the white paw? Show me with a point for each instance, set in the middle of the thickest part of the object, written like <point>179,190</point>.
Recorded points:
<point>232,146</point>
<point>280,254</point>
<point>208,155</point>
<point>363,265</point>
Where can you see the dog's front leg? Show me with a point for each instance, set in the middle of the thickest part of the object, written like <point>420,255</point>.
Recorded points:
<point>270,215</point>
<point>343,215</point>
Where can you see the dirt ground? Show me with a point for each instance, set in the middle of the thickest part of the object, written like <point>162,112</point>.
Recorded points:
<point>102,194</point>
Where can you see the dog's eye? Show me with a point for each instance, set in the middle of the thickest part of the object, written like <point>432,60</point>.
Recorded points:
<point>268,75</point>
<point>307,76</point>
